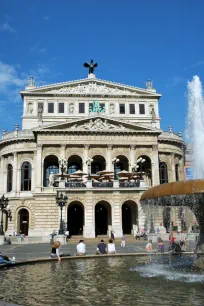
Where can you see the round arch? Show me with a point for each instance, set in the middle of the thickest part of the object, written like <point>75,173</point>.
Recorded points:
<point>103,218</point>
<point>23,219</point>
<point>146,169</point>
<point>163,173</point>
<point>51,164</point>
<point>74,163</point>
<point>123,163</point>
<point>98,164</point>
<point>129,217</point>
<point>75,218</point>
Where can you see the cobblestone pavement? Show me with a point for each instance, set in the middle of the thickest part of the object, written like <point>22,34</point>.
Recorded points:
<point>32,251</point>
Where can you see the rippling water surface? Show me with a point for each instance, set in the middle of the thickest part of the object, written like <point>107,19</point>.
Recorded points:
<point>101,281</point>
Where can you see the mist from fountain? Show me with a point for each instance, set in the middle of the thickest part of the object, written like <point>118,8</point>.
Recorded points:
<point>195,126</point>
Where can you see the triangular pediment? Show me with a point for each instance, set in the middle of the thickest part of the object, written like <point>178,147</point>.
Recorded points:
<point>97,124</point>
<point>90,87</point>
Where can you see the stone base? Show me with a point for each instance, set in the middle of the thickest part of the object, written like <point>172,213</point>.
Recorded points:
<point>1,239</point>
<point>61,239</point>
<point>152,237</point>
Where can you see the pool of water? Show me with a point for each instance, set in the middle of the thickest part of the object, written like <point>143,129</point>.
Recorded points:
<point>104,281</point>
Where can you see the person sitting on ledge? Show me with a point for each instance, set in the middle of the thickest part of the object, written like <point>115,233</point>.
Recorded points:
<point>81,248</point>
<point>160,245</point>
<point>111,247</point>
<point>101,248</point>
<point>55,253</point>
<point>149,247</point>
<point>5,260</point>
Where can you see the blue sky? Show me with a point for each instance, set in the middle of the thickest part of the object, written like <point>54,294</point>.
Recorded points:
<point>131,40</point>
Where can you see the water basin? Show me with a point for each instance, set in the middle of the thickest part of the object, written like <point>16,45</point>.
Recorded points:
<point>104,281</point>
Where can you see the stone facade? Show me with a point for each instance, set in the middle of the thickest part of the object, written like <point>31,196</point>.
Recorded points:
<point>88,118</point>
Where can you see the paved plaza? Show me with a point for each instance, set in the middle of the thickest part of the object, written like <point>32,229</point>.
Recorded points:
<point>32,251</point>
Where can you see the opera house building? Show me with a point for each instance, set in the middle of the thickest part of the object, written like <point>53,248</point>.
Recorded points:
<point>100,145</point>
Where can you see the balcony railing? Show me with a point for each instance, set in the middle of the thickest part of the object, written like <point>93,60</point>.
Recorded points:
<point>75,185</point>
<point>102,184</point>
<point>129,184</point>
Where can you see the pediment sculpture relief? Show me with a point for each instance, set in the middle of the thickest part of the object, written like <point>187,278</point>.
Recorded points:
<point>98,124</point>
<point>93,88</point>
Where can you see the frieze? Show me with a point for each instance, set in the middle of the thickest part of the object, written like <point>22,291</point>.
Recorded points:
<point>97,125</point>
<point>93,88</point>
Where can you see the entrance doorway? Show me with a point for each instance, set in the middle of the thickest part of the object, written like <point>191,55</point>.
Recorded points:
<point>75,220</point>
<point>102,218</point>
<point>23,221</point>
<point>129,217</point>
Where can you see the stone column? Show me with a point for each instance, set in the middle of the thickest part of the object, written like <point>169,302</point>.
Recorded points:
<point>132,157</point>
<point>15,170</point>
<point>1,174</point>
<point>117,215</point>
<point>86,155</point>
<point>155,166</point>
<point>38,168</point>
<point>63,151</point>
<point>173,174</point>
<point>89,224</point>
<point>109,158</point>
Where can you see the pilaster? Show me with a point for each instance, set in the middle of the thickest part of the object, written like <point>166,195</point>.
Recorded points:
<point>155,166</point>
<point>132,157</point>
<point>89,226</point>
<point>173,174</point>
<point>1,174</point>
<point>109,158</point>
<point>117,215</point>
<point>15,170</point>
<point>86,155</point>
<point>39,168</point>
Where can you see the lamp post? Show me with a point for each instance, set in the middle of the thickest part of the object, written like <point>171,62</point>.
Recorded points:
<point>61,202</point>
<point>115,160</point>
<point>152,229</point>
<point>138,165</point>
<point>3,205</point>
<point>88,162</point>
<point>63,166</point>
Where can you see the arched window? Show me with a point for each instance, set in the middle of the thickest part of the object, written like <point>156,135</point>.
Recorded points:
<point>74,164</point>
<point>50,165</point>
<point>163,173</point>
<point>26,172</point>
<point>9,177</point>
<point>177,172</point>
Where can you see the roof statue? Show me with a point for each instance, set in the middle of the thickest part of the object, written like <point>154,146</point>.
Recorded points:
<point>91,66</point>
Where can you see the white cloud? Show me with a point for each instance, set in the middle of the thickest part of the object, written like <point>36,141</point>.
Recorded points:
<point>9,77</point>
<point>175,81</point>
<point>37,49</point>
<point>5,27</point>
<point>47,17</point>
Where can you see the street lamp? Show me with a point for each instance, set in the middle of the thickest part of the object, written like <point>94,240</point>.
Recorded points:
<point>88,162</point>
<point>115,160</point>
<point>63,166</point>
<point>61,202</point>
<point>138,165</point>
<point>3,206</point>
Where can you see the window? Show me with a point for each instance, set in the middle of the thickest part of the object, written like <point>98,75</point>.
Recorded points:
<point>122,108</point>
<point>177,172</point>
<point>61,108</point>
<point>50,107</point>
<point>95,107</point>
<point>49,169</point>
<point>163,173</point>
<point>81,108</point>
<point>9,177</point>
<point>73,168</point>
<point>132,108</point>
<point>26,176</point>
<point>142,109</point>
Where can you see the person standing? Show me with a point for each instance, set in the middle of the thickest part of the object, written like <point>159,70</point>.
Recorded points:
<point>112,235</point>
<point>123,242</point>
<point>81,248</point>
<point>111,247</point>
<point>160,245</point>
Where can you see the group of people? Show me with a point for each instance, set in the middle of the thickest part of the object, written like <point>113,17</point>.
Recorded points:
<point>173,246</point>
<point>101,248</point>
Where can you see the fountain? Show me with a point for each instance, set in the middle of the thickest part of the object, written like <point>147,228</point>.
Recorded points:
<point>187,193</point>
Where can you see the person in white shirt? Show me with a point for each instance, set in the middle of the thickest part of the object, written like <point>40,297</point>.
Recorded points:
<point>81,248</point>
<point>111,247</point>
